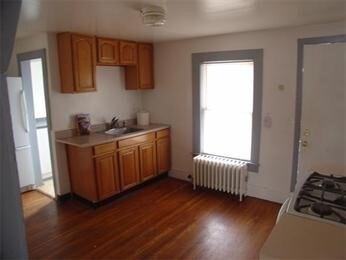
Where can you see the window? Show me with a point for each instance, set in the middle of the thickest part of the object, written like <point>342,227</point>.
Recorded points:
<point>227,104</point>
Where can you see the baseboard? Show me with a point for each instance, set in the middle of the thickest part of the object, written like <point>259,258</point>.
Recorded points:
<point>253,190</point>
<point>28,188</point>
<point>179,174</point>
<point>70,195</point>
<point>266,194</point>
<point>64,197</point>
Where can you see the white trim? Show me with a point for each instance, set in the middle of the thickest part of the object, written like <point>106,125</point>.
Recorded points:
<point>267,194</point>
<point>28,188</point>
<point>252,190</point>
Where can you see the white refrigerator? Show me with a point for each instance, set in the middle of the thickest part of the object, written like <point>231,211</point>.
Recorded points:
<point>22,134</point>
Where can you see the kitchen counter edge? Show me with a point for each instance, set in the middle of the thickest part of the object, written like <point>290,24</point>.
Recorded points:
<point>97,138</point>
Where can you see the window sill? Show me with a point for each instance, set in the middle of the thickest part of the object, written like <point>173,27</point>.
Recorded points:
<point>252,167</point>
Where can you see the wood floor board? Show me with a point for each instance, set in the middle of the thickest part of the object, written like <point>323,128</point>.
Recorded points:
<point>165,219</point>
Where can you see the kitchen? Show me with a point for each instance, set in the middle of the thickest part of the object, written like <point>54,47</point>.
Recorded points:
<point>170,100</point>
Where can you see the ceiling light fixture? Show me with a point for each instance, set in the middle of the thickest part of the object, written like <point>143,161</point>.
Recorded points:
<point>153,16</point>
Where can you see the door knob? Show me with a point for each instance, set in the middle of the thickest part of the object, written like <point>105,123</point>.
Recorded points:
<point>305,143</point>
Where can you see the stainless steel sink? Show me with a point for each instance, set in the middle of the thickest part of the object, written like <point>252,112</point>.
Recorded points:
<point>122,131</point>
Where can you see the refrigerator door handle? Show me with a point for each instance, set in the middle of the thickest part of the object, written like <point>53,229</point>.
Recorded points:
<point>24,110</point>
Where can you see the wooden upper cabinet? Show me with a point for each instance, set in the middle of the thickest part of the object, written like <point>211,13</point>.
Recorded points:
<point>147,158</point>
<point>145,66</point>
<point>128,53</point>
<point>83,49</point>
<point>142,75</point>
<point>107,176</point>
<point>77,62</point>
<point>128,167</point>
<point>107,51</point>
<point>79,54</point>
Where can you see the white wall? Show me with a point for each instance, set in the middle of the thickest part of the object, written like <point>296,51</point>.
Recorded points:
<point>35,42</point>
<point>171,101</point>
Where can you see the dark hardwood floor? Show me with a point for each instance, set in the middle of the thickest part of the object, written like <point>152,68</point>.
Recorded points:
<point>165,219</point>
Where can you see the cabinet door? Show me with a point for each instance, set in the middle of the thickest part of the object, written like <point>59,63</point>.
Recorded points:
<point>107,51</point>
<point>128,166</point>
<point>128,53</point>
<point>163,155</point>
<point>83,49</point>
<point>107,176</point>
<point>145,66</point>
<point>147,158</point>
<point>82,172</point>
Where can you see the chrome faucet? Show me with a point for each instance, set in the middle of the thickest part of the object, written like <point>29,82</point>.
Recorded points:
<point>114,122</point>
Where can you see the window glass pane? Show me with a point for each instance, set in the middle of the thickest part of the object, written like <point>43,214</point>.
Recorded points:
<point>227,106</point>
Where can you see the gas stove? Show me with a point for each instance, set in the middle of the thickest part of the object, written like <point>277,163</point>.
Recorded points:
<point>322,197</point>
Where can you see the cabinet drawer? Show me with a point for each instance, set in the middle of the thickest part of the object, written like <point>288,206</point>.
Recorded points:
<point>104,148</point>
<point>136,140</point>
<point>162,133</point>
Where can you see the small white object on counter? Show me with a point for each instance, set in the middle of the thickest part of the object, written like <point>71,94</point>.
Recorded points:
<point>143,118</point>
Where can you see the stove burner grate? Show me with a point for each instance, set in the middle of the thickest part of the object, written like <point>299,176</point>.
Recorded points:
<point>321,209</point>
<point>328,184</point>
<point>323,196</point>
<point>341,201</point>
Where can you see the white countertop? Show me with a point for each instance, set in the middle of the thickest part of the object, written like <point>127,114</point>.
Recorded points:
<point>295,237</point>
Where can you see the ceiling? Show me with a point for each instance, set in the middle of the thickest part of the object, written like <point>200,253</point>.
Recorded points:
<point>185,18</point>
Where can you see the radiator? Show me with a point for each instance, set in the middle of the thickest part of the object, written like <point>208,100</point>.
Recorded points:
<point>219,173</point>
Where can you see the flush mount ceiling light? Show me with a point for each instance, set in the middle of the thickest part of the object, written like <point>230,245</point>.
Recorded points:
<point>153,16</point>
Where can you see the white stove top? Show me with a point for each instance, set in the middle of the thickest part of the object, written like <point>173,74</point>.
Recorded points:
<point>321,197</point>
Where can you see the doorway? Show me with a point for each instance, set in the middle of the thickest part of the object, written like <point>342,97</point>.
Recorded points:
<point>320,143</point>
<point>33,71</point>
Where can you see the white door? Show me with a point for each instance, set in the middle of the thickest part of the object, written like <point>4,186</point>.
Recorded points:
<point>322,137</point>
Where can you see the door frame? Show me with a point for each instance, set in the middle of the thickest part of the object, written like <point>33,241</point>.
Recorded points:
<point>299,94</point>
<point>41,54</point>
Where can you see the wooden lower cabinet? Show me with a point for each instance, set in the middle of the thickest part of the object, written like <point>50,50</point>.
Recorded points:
<point>147,160</point>
<point>82,173</point>
<point>107,176</point>
<point>128,167</point>
<point>101,171</point>
<point>93,177</point>
<point>163,155</point>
